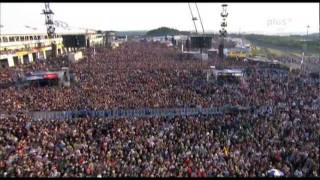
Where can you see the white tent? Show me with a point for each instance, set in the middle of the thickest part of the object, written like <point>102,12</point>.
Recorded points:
<point>29,29</point>
<point>275,173</point>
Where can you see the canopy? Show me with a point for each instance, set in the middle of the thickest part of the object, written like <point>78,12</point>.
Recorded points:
<point>233,72</point>
<point>41,75</point>
<point>50,76</point>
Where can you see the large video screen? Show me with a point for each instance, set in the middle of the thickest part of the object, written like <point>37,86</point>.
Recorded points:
<point>74,40</point>
<point>201,42</point>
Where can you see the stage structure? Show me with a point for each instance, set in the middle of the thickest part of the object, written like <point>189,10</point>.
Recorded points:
<point>47,78</point>
<point>47,12</point>
<point>223,31</point>
<point>198,41</point>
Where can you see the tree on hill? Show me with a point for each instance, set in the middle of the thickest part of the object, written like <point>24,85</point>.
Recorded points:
<point>163,31</point>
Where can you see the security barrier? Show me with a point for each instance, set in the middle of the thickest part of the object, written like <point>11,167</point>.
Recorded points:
<point>158,112</point>
<point>125,113</point>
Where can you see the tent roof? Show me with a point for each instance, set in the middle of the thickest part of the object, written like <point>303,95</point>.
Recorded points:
<point>26,30</point>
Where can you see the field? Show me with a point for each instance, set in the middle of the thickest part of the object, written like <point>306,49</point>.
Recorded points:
<point>291,45</point>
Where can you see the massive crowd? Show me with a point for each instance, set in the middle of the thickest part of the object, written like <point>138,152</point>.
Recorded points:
<point>149,75</point>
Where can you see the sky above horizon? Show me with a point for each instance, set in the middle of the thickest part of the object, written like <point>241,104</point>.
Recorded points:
<point>262,18</point>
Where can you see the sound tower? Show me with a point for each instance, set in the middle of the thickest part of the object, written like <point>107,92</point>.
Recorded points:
<point>54,50</point>
<point>88,42</point>
<point>188,44</point>
<point>221,51</point>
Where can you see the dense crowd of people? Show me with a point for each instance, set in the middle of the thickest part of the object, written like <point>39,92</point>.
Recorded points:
<point>137,75</point>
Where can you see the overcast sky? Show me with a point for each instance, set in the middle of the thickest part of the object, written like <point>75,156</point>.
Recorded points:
<point>264,18</point>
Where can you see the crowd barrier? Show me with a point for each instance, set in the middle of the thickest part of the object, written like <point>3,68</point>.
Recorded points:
<point>157,112</point>
<point>123,113</point>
